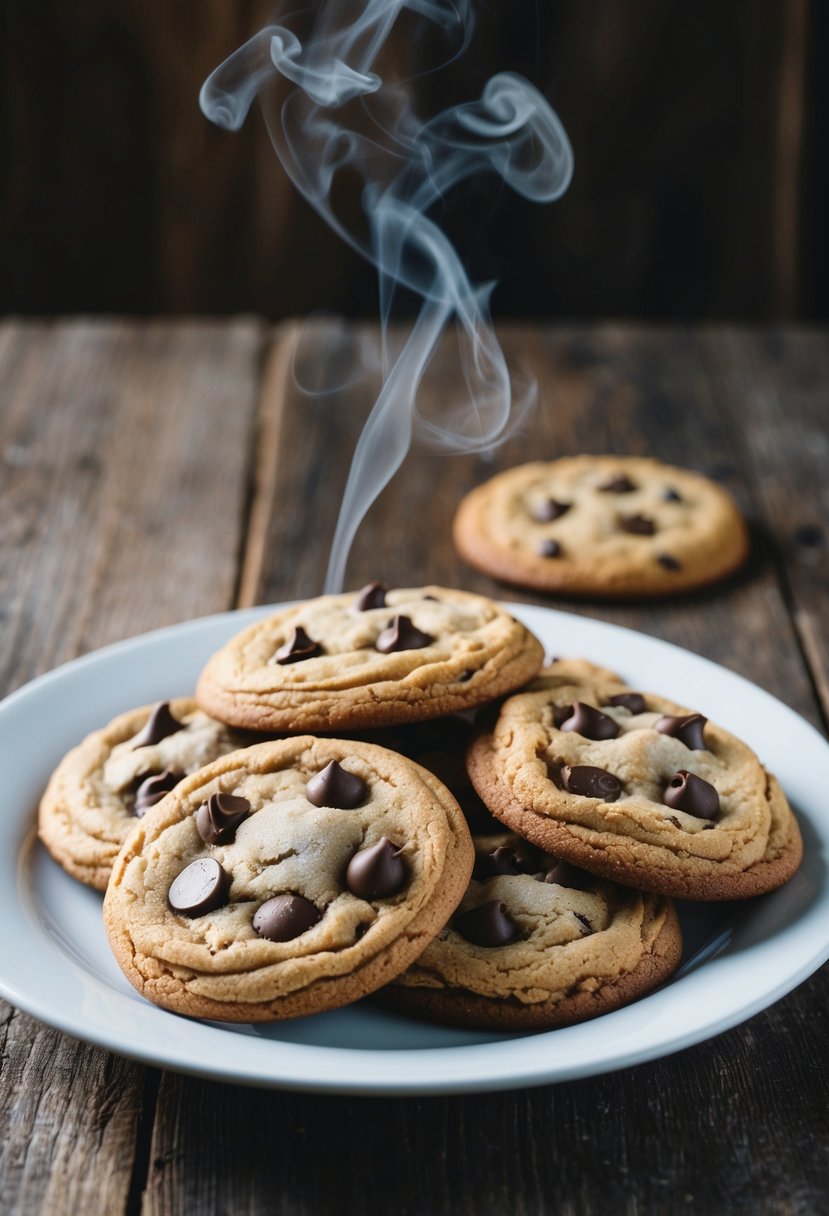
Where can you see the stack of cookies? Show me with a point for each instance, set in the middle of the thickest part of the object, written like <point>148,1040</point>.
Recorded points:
<point>305,832</point>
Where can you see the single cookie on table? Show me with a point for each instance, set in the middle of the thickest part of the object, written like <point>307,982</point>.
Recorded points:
<point>371,658</point>
<point>295,876</point>
<point>637,789</point>
<point>116,774</point>
<point>611,526</point>
<point>537,943</point>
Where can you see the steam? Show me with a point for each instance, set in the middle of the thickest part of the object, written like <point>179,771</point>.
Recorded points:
<point>340,114</point>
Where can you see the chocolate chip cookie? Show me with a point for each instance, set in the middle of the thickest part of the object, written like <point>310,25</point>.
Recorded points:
<point>116,774</point>
<point>374,658</point>
<point>637,789</point>
<point>606,526</point>
<point>292,877</point>
<point>537,943</point>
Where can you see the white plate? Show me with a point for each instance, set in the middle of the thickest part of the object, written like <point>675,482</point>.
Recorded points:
<point>56,965</point>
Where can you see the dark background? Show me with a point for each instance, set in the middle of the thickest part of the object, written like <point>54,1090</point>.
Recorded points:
<point>699,132</point>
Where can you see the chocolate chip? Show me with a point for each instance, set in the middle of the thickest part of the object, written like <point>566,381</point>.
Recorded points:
<point>584,921</point>
<point>498,861</point>
<point>285,917</point>
<point>672,495</point>
<point>687,792</point>
<point>298,647</point>
<point>688,729</point>
<point>336,786</point>
<point>565,875</point>
<point>669,562</point>
<point>549,548</point>
<point>377,872</point>
<point>639,525</point>
<point>634,701</point>
<point>488,925</point>
<point>620,484</point>
<point>160,724</point>
<point>561,713</point>
<point>199,888</point>
<point>218,818</point>
<point>373,595</point>
<point>506,859</point>
<point>590,782</point>
<point>545,512</point>
<point>810,535</point>
<point>465,676</point>
<point>153,788</point>
<point>401,634</point>
<point>589,722</point>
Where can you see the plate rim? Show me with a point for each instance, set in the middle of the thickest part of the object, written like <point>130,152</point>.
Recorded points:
<point>438,1079</point>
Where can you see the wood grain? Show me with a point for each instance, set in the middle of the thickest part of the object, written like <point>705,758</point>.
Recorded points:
<point>133,451</point>
<point>738,1124</point>
<point>697,191</point>
<point>125,454</point>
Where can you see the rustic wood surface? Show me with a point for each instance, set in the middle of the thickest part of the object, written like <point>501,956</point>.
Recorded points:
<point>157,472</point>
<point>700,187</point>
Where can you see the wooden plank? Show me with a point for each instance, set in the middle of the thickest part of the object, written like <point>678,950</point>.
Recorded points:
<point>738,1124</point>
<point>699,1133</point>
<point>606,389</point>
<point>122,505</point>
<point>777,380</point>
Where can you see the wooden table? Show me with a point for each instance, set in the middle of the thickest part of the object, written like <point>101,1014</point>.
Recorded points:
<point>156,472</point>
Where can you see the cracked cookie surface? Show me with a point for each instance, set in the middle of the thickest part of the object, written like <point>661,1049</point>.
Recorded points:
<point>92,798</point>
<point>602,526</point>
<point>643,791</point>
<point>331,664</point>
<point>537,944</point>
<point>298,905</point>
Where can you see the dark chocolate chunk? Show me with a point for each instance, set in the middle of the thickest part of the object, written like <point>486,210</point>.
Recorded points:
<point>498,861</point>
<point>401,634</point>
<point>488,925</point>
<point>377,872</point>
<point>160,724</point>
<point>689,729</point>
<point>561,713</point>
<point>688,792</point>
<point>506,859</point>
<point>591,782</point>
<point>549,548</point>
<point>639,525</point>
<point>285,917</point>
<point>373,595</point>
<point>584,921</point>
<point>545,512</point>
<point>669,562</point>
<point>634,701</point>
<point>672,495</point>
<point>298,647</point>
<point>566,875</point>
<point>153,788</point>
<point>218,818</point>
<point>336,786</point>
<point>810,535</point>
<point>199,888</point>
<point>620,484</point>
<point>590,722</point>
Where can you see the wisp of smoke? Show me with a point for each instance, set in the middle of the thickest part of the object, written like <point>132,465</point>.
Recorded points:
<point>406,167</point>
